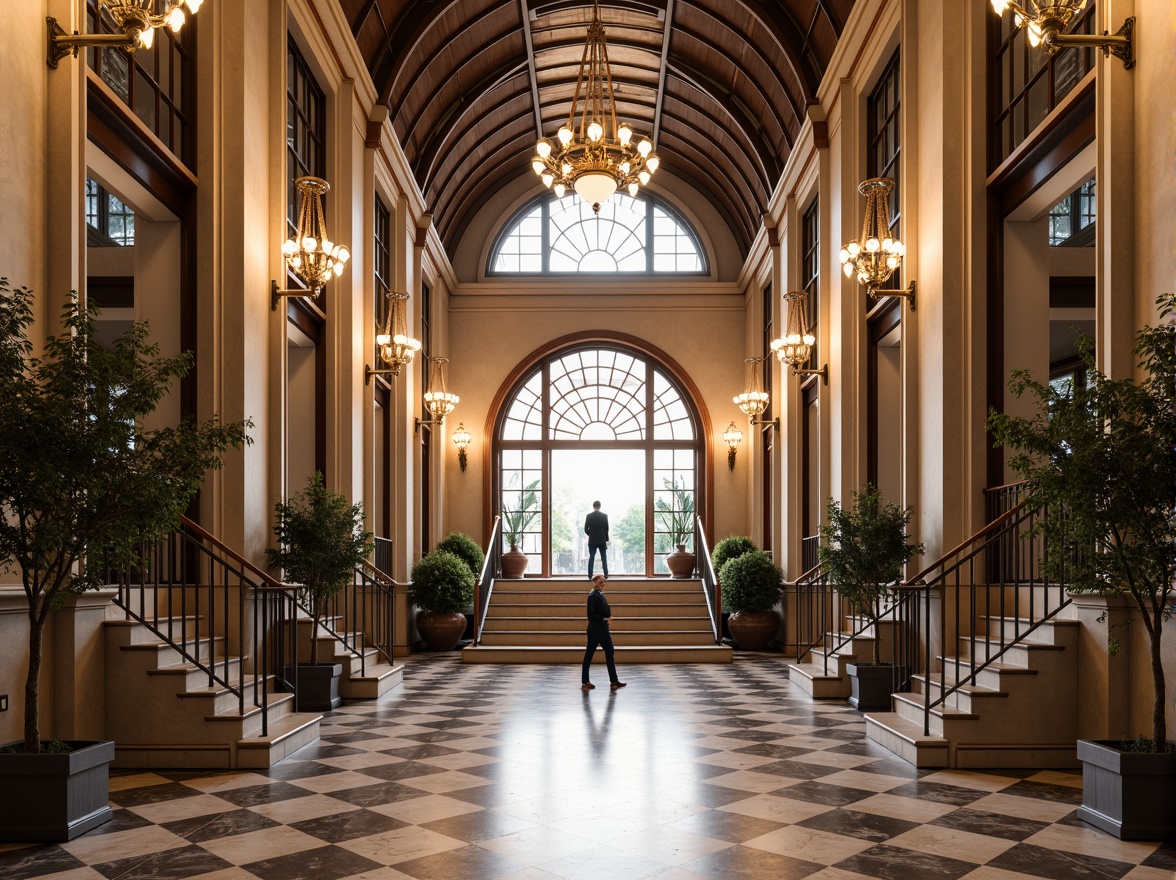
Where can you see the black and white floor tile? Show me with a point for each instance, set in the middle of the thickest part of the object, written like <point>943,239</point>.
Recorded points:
<point>478,772</point>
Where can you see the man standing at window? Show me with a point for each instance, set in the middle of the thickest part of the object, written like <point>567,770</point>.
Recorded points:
<point>596,528</point>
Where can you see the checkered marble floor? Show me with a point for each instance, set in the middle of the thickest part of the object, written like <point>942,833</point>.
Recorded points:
<point>472,772</point>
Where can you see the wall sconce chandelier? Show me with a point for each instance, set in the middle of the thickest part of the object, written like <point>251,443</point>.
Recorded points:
<point>438,400</point>
<point>311,255</point>
<point>875,256</point>
<point>461,439</point>
<point>397,348</point>
<point>137,19</point>
<point>754,400</point>
<point>796,345</point>
<point>732,436</point>
<point>595,156</point>
<point>1047,23</point>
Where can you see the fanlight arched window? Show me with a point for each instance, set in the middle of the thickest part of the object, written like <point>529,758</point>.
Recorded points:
<point>599,421</point>
<point>629,235</point>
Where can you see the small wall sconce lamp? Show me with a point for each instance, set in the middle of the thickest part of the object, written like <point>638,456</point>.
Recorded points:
<point>1049,18</point>
<point>137,19</point>
<point>875,256</point>
<point>461,439</point>
<point>754,400</point>
<point>397,348</point>
<point>732,436</point>
<point>796,346</point>
<point>438,400</point>
<point>311,255</point>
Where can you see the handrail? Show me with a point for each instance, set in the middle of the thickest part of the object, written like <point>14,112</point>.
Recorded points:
<point>183,594</point>
<point>710,583</point>
<point>1009,583</point>
<point>484,588</point>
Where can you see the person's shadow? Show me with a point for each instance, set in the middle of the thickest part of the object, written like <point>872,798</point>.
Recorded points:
<point>598,733</point>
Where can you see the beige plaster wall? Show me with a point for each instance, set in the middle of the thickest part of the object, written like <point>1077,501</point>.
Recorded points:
<point>14,664</point>
<point>492,331</point>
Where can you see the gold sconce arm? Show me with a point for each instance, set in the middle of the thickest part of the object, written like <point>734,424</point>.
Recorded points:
<point>277,294</point>
<point>62,44</point>
<point>907,293</point>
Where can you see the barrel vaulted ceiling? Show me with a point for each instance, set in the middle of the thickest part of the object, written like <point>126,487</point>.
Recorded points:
<point>721,85</point>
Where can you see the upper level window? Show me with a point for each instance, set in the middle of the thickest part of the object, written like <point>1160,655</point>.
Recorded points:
<point>109,220</point>
<point>306,112</point>
<point>884,131</point>
<point>1071,221</point>
<point>1028,83</point>
<point>632,235</point>
<point>155,83</point>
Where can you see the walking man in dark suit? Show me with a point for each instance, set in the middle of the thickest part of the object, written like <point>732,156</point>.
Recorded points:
<point>596,528</point>
<point>599,614</point>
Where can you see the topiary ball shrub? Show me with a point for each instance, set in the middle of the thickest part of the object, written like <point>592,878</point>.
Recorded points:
<point>466,549</point>
<point>730,548</point>
<point>442,582</point>
<point>751,583</point>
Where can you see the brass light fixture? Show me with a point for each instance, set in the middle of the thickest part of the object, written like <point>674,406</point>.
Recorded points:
<point>1047,23</point>
<point>397,348</point>
<point>137,19</point>
<point>438,400</point>
<point>796,345</point>
<point>754,400</point>
<point>311,255</point>
<point>732,436</point>
<point>594,156</point>
<point>461,439</point>
<point>875,256</point>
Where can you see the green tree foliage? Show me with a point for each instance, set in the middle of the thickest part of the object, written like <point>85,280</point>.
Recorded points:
<point>465,548</point>
<point>729,548</point>
<point>441,582</point>
<point>629,532</point>
<point>561,532</point>
<point>751,583</point>
<point>321,539</point>
<point>79,477</point>
<point>863,550</point>
<point>1102,454</point>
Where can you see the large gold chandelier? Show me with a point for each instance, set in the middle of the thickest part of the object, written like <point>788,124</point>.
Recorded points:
<point>594,156</point>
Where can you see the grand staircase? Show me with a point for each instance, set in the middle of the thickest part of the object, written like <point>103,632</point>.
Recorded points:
<point>655,620</point>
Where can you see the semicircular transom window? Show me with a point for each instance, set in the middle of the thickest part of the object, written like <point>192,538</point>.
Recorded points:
<point>628,235</point>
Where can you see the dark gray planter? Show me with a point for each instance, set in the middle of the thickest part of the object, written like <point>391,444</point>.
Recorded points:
<point>1131,795</point>
<point>870,685</point>
<point>318,686</point>
<point>55,797</point>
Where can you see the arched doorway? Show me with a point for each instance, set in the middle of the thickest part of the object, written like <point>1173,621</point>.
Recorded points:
<point>599,419</point>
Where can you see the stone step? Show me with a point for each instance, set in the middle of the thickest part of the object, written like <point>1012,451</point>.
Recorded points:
<point>378,680</point>
<point>551,638</point>
<point>578,623</point>
<point>812,679</point>
<point>627,610</point>
<point>575,655</point>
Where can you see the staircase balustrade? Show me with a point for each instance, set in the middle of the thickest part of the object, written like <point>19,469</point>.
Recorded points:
<point>207,602</point>
<point>710,583</point>
<point>491,568</point>
<point>367,606</point>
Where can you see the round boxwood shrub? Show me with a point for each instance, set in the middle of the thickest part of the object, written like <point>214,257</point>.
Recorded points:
<point>729,548</point>
<point>442,582</point>
<point>466,549</point>
<point>751,583</point>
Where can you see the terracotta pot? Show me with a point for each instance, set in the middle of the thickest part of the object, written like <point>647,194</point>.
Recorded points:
<point>441,631</point>
<point>514,563</point>
<point>753,629</point>
<point>680,563</point>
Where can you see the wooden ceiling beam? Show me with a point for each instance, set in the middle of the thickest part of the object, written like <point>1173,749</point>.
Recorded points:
<point>661,73</point>
<point>525,13</point>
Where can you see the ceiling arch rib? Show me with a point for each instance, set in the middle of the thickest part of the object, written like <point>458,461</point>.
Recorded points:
<point>733,79</point>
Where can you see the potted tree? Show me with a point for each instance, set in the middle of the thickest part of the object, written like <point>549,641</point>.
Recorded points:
<point>863,550</point>
<point>442,587</point>
<point>729,548</point>
<point>751,588</point>
<point>321,539</point>
<point>675,520</point>
<point>515,522</point>
<point>1100,453</point>
<point>80,479</point>
<point>466,549</point>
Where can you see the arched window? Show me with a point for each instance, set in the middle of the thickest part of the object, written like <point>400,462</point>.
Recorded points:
<point>599,422</point>
<point>630,235</point>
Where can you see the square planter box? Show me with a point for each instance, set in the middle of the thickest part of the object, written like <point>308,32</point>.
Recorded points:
<point>318,686</point>
<point>55,797</point>
<point>1131,795</point>
<point>871,686</point>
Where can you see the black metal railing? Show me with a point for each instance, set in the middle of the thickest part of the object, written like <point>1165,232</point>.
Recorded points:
<point>808,552</point>
<point>383,555</point>
<point>991,595</point>
<point>359,616</point>
<point>221,613</point>
<point>491,569</point>
<point>710,583</point>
